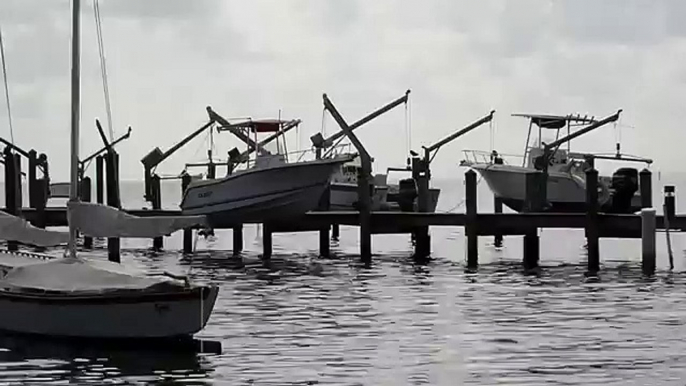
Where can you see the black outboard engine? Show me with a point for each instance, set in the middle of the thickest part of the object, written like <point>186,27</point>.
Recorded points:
<point>407,193</point>
<point>624,186</point>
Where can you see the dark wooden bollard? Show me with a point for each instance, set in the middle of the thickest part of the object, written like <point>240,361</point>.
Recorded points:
<point>324,241</point>
<point>648,244</point>
<point>20,196</point>
<point>498,208</point>
<point>592,231</point>
<point>11,201</point>
<point>237,240</point>
<point>187,233</point>
<point>33,177</point>
<point>471,221</point>
<point>335,232</point>
<point>112,168</point>
<point>645,185</point>
<point>157,242</point>
<point>86,197</point>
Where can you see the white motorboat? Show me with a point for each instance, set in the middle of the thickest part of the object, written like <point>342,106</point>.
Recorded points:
<point>82,297</point>
<point>270,188</point>
<point>566,171</point>
<point>345,191</point>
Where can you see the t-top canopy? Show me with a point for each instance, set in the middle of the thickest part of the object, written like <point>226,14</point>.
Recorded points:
<point>555,121</point>
<point>262,125</point>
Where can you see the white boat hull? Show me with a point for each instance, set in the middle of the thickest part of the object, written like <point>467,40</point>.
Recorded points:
<point>566,193</point>
<point>261,194</point>
<point>134,316</point>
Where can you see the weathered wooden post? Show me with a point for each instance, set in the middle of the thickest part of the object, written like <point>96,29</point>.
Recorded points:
<point>157,242</point>
<point>11,201</point>
<point>592,231</point>
<point>17,171</point>
<point>266,242</point>
<point>86,197</point>
<point>471,220</point>
<point>534,202</point>
<point>423,239</point>
<point>33,177</point>
<point>648,244</point>
<point>237,239</point>
<point>42,192</point>
<point>100,179</point>
<point>498,209</point>
<point>324,241</point>
<point>112,169</point>
<point>670,203</point>
<point>188,232</point>
<point>645,187</point>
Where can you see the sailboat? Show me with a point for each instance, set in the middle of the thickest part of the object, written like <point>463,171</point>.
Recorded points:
<point>84,297</point>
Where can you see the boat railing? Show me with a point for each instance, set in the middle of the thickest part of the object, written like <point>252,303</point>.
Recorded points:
<point>487,157</point>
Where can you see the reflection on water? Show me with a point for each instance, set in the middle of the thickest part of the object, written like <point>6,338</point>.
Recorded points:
<point>300,319</point>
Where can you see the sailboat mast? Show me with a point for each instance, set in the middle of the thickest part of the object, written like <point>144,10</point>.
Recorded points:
<point>75,114</point>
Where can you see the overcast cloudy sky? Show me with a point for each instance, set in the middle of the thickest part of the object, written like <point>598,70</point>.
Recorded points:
<point>168,59</point>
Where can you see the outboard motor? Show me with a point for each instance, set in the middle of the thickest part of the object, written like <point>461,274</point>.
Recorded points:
<point>407,193</point>
<point>624,186</point>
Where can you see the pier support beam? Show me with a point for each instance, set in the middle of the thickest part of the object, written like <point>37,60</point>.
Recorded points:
<point>187,233</point>
<point>86,197</point>
<point>100,179</point>
<point>423,239</point>
<point>670,203</point>
<point>471,221</point>
<point>592,231</point>
<point>335,232</point>
<point>497,209</point>
<point>648,245</point>
<point>112,168</point>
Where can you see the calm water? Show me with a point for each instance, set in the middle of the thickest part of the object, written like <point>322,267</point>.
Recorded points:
<point>305,320</point>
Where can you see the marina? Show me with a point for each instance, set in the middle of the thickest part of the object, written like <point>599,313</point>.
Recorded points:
<point>287,251</point>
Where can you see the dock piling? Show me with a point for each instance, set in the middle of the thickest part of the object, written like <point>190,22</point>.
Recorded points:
<point>11,180</point>
<point>112,185</point>
<point>266,242</point>
<point>645,187</point>
<point>535,193</point>
<point>86,197</point>
<point>592,231</point>
<point>237,240</point>
<point>100,179</point>
<point>423,239</point>
<point>670,203</point>
<point>157,242</point>
<point>335,232</point>
<point>188,232</point>
<point>648,245</point>
<point>498,208</point>
<point>471,221</point>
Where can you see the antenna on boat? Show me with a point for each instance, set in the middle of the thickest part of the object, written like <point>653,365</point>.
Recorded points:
<point>7,89</point>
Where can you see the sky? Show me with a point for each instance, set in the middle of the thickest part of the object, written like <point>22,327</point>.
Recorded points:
<point>169,59</point>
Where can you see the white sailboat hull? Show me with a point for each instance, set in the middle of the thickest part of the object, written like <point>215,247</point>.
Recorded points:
<point>261,194</point>
<point>134,316</point>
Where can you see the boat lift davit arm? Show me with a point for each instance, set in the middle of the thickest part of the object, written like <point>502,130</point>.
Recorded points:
<point>107,145</point>
<point>550,148</point>
<point>428,156</point>
<point>320,143</point>
<point>156,156</point>
<point>226,126</point>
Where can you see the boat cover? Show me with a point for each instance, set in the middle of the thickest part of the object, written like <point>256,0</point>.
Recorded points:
<point>17,229</point>
<point>82,276</point>
<point>98,220</point>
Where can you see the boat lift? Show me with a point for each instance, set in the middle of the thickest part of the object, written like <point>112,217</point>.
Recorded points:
<point>320,143</point>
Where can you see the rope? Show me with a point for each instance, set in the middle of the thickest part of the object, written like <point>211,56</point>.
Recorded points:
<point>103,66</point>
<point>462,202</point>
<point>7,89</point>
